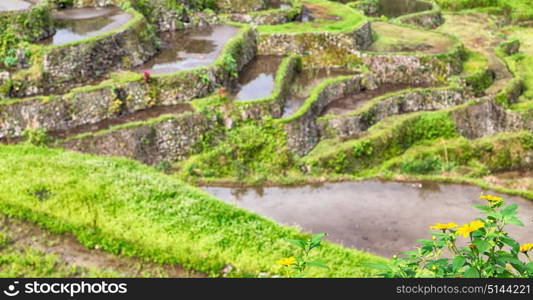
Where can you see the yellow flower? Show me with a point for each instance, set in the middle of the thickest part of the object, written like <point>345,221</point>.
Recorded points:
<point>287,262</point>
<point>467,229</point>
<point>491,198</point>
<point>440,226</point>
<point>525,248</point>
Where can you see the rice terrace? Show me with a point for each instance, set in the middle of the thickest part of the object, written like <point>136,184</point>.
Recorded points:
<point>266,138</point>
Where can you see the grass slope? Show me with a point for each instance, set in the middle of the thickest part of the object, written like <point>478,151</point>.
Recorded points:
<point>132,210</point>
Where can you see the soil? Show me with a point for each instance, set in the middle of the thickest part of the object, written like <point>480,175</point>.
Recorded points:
<point>69,250</point>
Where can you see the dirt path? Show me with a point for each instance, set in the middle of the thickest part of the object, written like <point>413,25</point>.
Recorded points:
<point>478,32</point>
<point>70,251</point>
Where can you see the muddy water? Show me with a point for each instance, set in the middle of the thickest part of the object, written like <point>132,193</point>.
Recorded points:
<point>77,24</point>
<point>257,80</point>
<point>353,102</point>
<point>141,115</point>
<point>190,49</point>
<point>10,5</point>
<point>384,218</point>
<point>304,84</point>
<point>396,8</point>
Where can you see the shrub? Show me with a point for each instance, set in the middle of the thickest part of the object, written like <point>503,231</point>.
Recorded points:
<point>490,251</point>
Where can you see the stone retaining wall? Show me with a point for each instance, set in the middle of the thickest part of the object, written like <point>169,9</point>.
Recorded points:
<point>351,125</point>
<point>172,139</point>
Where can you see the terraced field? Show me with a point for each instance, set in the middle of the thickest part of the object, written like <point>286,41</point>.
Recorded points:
<point>113,119</point>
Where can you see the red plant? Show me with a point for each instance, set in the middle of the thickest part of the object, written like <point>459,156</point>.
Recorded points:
<point>146,74</point>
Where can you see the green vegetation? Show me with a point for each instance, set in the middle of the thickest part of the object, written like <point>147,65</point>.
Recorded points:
<point>132,210</point>
<point>490,251</point>
<point>396,38</point>
<point>517,9</point>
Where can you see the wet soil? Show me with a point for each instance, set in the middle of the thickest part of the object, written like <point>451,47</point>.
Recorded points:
<point>190,48</point>
<point>257,80</point>
<point>384,218</point>
<point>70,251</point>
<point>353,102</point>
<point>141,115</point>
<point>11,5</point>
<point>396,8</point>
<point>303,85</point>
<point>76,24</point>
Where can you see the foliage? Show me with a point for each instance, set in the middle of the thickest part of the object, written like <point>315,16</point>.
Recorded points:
<point>144,213</point>
<point>490,251</point>
<point>36,137</point>
<point>301,261</point>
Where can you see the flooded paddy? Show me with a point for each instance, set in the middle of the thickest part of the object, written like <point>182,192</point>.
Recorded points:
<point>353,102</point>
<point>304,84</point>
<point>257,80</point>
<point>384,218</point>
<point>190,49</point>
<point>12,5</point>
<point>78,24</point>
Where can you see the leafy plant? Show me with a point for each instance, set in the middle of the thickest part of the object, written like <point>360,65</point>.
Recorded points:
<point>490,251</point>
<point>301,261</point>
<point>36,137</point>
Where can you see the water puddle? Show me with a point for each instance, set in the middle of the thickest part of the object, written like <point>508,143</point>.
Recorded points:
<point>257,80</point>
<point>77,24</point>
<point>11,5</point>
<point>396,8</point>
<point>141,115</point>
<point>384,218</point>
<point>190,48</point>
<point>304,83</point>
<point>353,102</point>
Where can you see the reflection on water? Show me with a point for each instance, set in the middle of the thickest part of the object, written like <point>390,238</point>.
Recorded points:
<point>10,5</point>
<point>77,24</point>
<point>189,49</point>
<point>376,216</point>
<point>257,80</point>
<point>304,84</point>
<point>396,8</point>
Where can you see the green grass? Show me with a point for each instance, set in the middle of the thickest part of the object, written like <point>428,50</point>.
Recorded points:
<point>133,210</point>
<point>517,9</point>
<point>396,38</point>
<point>350,19</point>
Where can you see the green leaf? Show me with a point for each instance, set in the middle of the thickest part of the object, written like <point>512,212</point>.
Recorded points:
<point>481,245</point>
<point>317,263</point>
<point>471,273</point>
<point>514,221</point>
<point>482,207</point>
<point>529,267</point>
<point>458,262</point>
<point>509,210</point>
<point>297,243</point>
<point>318,237</point>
